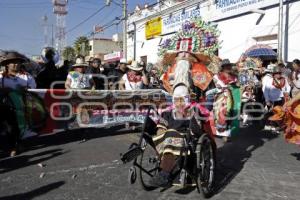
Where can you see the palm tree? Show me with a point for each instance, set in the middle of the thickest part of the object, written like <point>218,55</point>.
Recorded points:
<point>69,53</point>
<point>81,46</point>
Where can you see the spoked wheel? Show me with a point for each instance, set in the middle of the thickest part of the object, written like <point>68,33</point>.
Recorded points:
<point>149,162</point>
<point>205,166</point>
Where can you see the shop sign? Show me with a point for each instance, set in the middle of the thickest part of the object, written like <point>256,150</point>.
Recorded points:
<point>229,8</point>
<point>173,22</point>
<point>112,56</point>
<point>153,28</point>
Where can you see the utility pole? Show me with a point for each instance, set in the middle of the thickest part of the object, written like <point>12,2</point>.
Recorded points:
<point>52,35</point>
<point>280,31</point>
<point>45,25</point>
<point>124,7</point>
<point>125,29</point>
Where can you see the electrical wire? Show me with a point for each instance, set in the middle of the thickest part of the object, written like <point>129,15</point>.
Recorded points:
<point>88,18</point>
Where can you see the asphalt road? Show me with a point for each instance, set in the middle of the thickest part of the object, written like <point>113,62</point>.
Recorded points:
<point>83,165</point>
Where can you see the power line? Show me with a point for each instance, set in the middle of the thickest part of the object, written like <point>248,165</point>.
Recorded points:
<point>88,18</point>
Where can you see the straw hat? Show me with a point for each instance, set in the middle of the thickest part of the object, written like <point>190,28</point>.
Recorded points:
<point>80,63</point>
<point>135,66</point>
<point>270,68</point>
<point>276,70</point>
<point>225,62</point>
<point>9,56</point>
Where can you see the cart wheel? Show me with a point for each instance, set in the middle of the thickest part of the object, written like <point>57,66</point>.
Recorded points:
<point>132,175</point>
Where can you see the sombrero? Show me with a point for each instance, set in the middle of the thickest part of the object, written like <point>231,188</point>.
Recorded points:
<point>135,66</point>
<point>196,37</point>
<point>7,57</point>
<point>80,63</point>
<point>270,68</point>
<point>276,70</point>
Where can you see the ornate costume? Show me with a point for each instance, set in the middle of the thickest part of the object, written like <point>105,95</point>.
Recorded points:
<point>290,120</point>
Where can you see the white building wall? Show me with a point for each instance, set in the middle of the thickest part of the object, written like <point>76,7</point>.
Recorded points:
<point>103,46</point>
<point>294,32</point>
<point>236,33</point>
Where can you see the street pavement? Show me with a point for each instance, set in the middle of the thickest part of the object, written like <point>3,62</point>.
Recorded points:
<point>85,164</point>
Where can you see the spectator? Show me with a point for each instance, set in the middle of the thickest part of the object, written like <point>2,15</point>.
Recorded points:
<point>248,77</point>
<point>268,76</point>
<point>77,79</point>
<point>13,81</point>
<point>295,78</point>
<point>62,74</point>
<point>276,89</point>
<point>135,78</point>
<point>116,74</point>
<point>14,76</point>
<point>96,70</point>
<point>90,61</point>
<point>153,77</point>
<point>49,74</point>
<point>286,72</point>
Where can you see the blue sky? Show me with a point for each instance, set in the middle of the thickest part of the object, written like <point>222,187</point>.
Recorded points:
<point>21,21</point>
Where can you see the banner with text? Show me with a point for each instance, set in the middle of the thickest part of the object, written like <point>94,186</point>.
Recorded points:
<point>229,8</point>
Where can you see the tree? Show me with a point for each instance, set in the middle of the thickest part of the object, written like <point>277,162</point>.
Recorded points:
<point>69,53</point>
<point>81,46</point>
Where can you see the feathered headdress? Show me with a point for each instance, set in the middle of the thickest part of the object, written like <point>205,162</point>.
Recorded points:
<point>196,37</point>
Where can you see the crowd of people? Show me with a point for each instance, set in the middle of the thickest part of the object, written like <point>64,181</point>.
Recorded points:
<point>271,85</point>
<point>93,74</point>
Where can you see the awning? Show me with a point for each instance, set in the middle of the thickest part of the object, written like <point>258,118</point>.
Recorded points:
<point>113,57</point>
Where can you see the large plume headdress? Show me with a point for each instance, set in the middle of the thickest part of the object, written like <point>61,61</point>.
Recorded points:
<point>196,37</point>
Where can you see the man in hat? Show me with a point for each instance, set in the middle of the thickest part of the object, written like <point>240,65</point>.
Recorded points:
<point>135,78</point>
<point>277,89</point>
<point>13,81</point>
<point>97,71</point>
<point>222,81</point>
<point>115,75</point>
<point>77,79</point>
<point>225,76</point>
<point>276,92</point>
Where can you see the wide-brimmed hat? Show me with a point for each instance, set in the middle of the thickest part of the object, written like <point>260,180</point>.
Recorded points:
<point>196,37</point>
<point>225,62</point>
<point>9,56</point>
<point>276,70</point>
<point>79,63</point>
<point>270,68</point>
<point>90,59</point>
<point>135,66</point>
<point>124,61</point>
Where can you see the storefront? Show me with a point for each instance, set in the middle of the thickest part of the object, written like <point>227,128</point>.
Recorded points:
<point>242,23</point>
<point>113,57</point>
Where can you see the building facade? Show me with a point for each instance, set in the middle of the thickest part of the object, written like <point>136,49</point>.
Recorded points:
<point>242,23</point>
<point>102,46</point>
